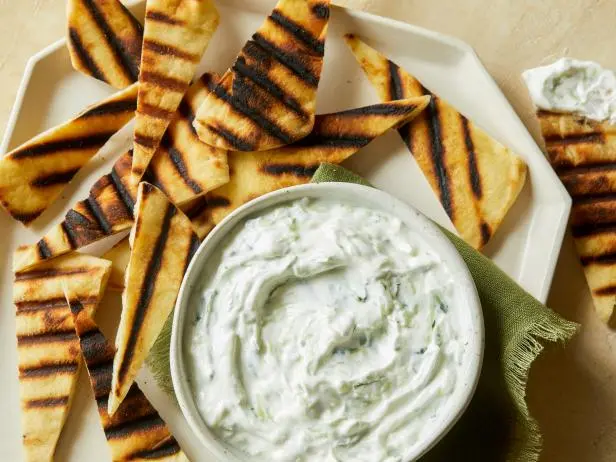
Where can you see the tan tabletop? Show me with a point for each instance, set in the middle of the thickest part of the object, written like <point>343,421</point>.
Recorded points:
<point>572,391</point>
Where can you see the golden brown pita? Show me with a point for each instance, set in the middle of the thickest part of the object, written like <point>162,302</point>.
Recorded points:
<point>33,175</point>
<point>475,177</point>
<point>268,98</point>
<point>104,41</point>
<point>136,431</point>
<point>162,244</point>
<point>334,138</point>
<point>583,153</point>
<point>176,34</point>
<point>48,350</point>
<point>118,255</point>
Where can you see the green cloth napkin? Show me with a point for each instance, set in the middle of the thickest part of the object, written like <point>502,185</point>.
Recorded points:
<point>497,424</point>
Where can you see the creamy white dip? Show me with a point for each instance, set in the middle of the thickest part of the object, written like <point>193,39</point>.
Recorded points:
<point>570,85</point>
<point>324,332</point>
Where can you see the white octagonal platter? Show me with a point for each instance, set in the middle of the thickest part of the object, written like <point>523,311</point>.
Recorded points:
<point>526,246</point>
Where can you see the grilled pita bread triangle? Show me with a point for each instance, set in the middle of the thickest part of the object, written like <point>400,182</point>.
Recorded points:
<point>476,178</point>
<point>175,36</point>
<point>34,174</point>
<point>583,153</point>
<point>183,168</point>
<point>104,41</point>
<point>47,346</point>
<point>268,98</point>
<point>334,138</point>
<point>136,431</point>
<point>162,244</point>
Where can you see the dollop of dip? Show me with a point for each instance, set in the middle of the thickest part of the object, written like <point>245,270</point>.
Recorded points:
<point>324,331</point>
<point>569,85</point>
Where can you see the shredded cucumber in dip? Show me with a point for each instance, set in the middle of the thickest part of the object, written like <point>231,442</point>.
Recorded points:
<point>324,332</point>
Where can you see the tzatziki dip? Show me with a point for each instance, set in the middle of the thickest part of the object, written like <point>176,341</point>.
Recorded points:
<point>324,331</point>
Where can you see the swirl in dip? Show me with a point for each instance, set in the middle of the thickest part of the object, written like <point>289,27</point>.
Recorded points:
<point>324,331</point>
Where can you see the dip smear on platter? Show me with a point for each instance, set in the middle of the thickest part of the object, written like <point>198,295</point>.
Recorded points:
<point>324,331</point>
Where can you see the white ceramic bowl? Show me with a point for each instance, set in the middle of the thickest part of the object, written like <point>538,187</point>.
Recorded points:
<point>472,320</point>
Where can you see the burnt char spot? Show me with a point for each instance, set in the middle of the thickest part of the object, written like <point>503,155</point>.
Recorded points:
<point>486,233</point>
<point>110,108</point>
<point>162,81</point>
<point>71,236</point>
<point>316,139</point>
<point>142,425</point>
<point>101,377</point>
<point>235,141</point>
<point>290,61</point>
<point>47,273</point>
<point>43,249</point>
<point>396,90</point>
<point>217,201</point>
<point>54,179</point>
<point>607,290</point>
<point>197,207</point>
<point>383,109</point>
<point>97,212</point>
<point>592,229</point>
<point>46,402</point>
<point>159,16</point>
<point>95,348</point>
<point>25,218</point>
<point>304,171</point>
<point>168,449</point>
<point>155,112</point>
<point>54,337</point>
<point>253,114</point>
<point>84,57</point>
<point>473,171</point>
<point>47,370</point>
<point>261,79</point>
<point>121,191</point>
<point>574,138</point>
<point>180,166</point>
<point>146,291</point>
<point>321,10</point>
<point>127,60</point>
<point>438,155</point>
<point>607,196</point>
<point>608,258</point>
<point>168,50</point>
<point>59,146</point>
<point>83,230</point>
<point>566,170</point>
<point>41,305</point>
<point>298,32</point>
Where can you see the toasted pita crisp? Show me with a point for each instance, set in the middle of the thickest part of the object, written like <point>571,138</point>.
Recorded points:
<point>268,98</point>
<point>162,244</point>
<point>176,34</point>
<point>136,431</point>
<point>33,175</point>
<point>476,178</point>
<point>335,137</point>
<point>583,153</point>
<point>104,41</point>
<point>48,350</point>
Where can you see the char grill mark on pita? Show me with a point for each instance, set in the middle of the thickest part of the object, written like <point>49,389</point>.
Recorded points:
<point>267,98</point>
<point>162,244</point>
<point>461,162</point>
<point>136,431</point>
<point>104,41</point>
<point>47,346</point>
<point>176,35</point>
<point>34,174</point>
<point>583,154</point>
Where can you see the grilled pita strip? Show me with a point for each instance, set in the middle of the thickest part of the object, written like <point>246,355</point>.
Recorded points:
<point>335,137</point>
<point>104,41</point>
<point>183,168</point>
<point>162,244</point>
<point>33,175</point>
<point>48,350</point>
<point>476,178</point>
<point>583,153</point>
<point>176,34</point>
<point>136,431</point>
<point>268,98</point>
<point>118,255</point>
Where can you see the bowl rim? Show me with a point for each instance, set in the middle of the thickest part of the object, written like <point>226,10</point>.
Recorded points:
<point>349,193</point>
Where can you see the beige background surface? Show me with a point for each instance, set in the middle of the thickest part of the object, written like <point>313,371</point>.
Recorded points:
<point>572,390</point>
